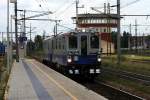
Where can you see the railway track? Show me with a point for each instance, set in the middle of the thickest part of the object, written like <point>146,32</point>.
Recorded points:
<point>110,92</point>
<point>143,79</point>
<point>141,61</point>
<point>106,90</point>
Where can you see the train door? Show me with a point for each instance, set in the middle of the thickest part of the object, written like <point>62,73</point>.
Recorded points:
<point>83,45</point>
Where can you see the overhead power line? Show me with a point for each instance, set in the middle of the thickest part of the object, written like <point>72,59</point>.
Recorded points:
<point>130,3</point>
<point>35,11</point>
<point>65,27</point>
<point>61,6</point>
<point>39,15</point>
<point>65,9</point>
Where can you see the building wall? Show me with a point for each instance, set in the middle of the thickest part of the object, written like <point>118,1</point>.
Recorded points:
<point>106,45</point>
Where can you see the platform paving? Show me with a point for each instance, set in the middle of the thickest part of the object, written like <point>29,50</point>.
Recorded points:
<point>31,80</point>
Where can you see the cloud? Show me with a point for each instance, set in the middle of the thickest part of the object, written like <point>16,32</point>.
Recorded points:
<point>2,2</point>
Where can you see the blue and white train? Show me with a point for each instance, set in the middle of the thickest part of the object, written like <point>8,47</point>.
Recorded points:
<point>76,53</point>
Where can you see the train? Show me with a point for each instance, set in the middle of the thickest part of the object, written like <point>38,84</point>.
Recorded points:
<point>2,49</point>
<point>75,53</point>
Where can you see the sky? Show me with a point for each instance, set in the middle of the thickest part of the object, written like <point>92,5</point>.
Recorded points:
<point>65,9</point>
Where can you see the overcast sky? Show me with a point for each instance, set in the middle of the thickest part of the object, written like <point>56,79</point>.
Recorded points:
<point>65,9</point>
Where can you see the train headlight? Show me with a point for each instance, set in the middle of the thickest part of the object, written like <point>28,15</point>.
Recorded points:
<point>69,60</point>
<point>99,59</point>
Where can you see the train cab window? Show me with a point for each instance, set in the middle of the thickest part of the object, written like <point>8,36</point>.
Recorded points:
<point>94,42</point>
<point>72,42</point>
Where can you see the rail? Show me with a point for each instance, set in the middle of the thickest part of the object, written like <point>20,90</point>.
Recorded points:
<point>144,79</point>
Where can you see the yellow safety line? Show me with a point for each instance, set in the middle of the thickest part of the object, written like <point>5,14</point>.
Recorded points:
<point>60,86</point>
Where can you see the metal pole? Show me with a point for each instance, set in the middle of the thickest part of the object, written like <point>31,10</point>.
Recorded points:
<point>109,28</point>
<point>77,2</point>
<point>143,42</point>
<point>118,33</point>
<point>8,46</point>
<point>2,37</point>
<point>30,40</point>
<point>16,34</point>
<point>30,32</point>
<point>24,22</point>
<point>129,38</point>
<point>136,42</point>
<point>104,8</point>
<point>24,44</point>
<point>56,28</point>
<point>11,43</point>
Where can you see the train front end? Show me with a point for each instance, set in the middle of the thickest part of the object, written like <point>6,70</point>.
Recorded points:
<point>84,53</point>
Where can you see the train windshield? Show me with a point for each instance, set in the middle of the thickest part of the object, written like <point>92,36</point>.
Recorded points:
<point>73,42</point>
<point>94,42</point>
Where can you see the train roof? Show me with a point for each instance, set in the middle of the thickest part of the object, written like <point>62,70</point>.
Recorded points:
<point>69,33</point>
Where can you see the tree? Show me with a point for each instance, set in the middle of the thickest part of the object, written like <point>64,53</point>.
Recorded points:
<point>44,34</point>
<point>38,42</point>
<point>124,39</point>
<point>114,38</point>
<point>148,41</point>
<point>30,47</point>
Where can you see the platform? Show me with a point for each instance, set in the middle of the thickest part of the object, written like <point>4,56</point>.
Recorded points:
<point>31,80</point>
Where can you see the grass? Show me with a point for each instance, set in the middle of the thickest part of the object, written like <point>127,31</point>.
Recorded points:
<point>127,64</point>
<point>3,77</point>
<point>3,84</point>
<point>136,57</point>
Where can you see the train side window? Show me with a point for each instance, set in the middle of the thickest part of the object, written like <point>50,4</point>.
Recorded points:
<point>47,45</point>
<point>72,42</point>
<point>63,43</point>
<point>59,43</point>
